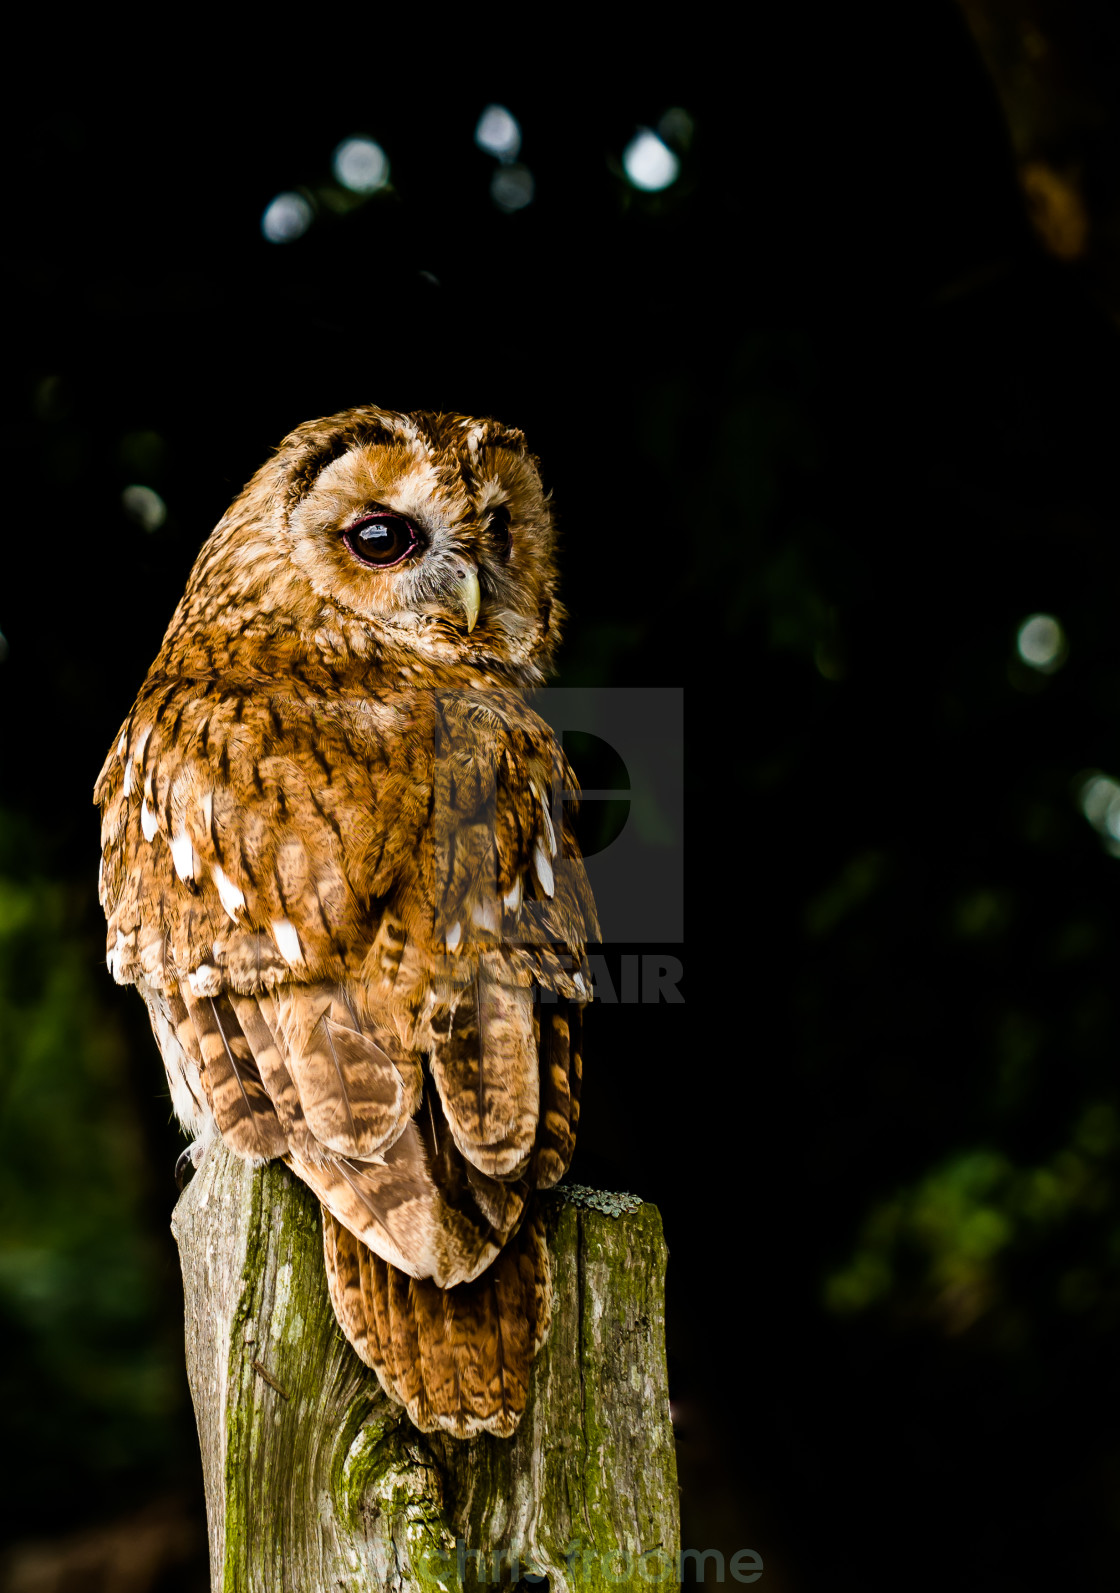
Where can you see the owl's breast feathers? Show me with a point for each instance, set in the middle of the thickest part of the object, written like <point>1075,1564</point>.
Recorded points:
<point>359,923</point>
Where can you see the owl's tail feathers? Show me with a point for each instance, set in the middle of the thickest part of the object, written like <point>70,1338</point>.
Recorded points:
<point>457,1359</point>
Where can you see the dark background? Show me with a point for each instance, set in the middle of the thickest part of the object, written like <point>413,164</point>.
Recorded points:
<point>825,422</point>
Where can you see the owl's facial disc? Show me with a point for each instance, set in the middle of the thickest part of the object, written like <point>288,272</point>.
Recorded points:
<point>399,538</point>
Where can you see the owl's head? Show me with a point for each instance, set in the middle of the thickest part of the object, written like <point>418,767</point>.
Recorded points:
<point>427,534</point>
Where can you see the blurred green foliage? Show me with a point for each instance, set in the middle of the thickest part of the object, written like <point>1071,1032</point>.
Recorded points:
<point>947,1248</point>
<point>89,1375</point>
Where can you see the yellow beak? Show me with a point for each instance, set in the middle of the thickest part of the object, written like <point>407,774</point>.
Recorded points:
<point>465,589</point>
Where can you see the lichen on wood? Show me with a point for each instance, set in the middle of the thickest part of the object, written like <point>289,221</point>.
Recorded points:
<point>316,1480</point>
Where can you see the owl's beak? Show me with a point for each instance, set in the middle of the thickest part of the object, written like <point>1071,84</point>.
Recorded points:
<point>463,589</point>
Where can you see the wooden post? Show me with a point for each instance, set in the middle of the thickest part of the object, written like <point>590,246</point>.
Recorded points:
<point>316,1481</point>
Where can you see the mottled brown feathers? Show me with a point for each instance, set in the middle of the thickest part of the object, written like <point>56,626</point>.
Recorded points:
<point>334,864</point>
<point>455,1358</point>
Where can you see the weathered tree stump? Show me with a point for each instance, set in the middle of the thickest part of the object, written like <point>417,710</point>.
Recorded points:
<point>315,1480</point>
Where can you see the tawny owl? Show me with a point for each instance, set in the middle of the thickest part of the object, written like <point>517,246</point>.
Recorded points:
<point>335,864</point>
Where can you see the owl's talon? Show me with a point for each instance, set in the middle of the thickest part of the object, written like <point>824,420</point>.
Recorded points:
<point>187,1165</point>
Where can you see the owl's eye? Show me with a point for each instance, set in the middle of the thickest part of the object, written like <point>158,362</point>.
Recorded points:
<point>500,531</point>
<point>381,539</point>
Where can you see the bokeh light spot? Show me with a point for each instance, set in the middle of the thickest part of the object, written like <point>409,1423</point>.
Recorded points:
<point>1100,803</point>
<point>145,506</point>
<point>649,163</point>
<point>498,133</point>
<point>1041,643</point>
<point>360,165</point>
<point>511,187</point>
<point>287,218</point>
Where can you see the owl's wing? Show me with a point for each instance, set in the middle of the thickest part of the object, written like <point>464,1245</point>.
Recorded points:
<point>436,1281</point>
<point>408,1197</point>
<point>515,915</point>
<point>314,898</point>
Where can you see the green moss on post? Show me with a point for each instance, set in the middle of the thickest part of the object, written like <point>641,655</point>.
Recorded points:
<point>314,1480</point>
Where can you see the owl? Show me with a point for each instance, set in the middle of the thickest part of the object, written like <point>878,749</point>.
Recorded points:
<point>337,865</point>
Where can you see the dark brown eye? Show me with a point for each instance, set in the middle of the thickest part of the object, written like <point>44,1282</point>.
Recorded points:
<point>381,538</point>
<point>500,531</point>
